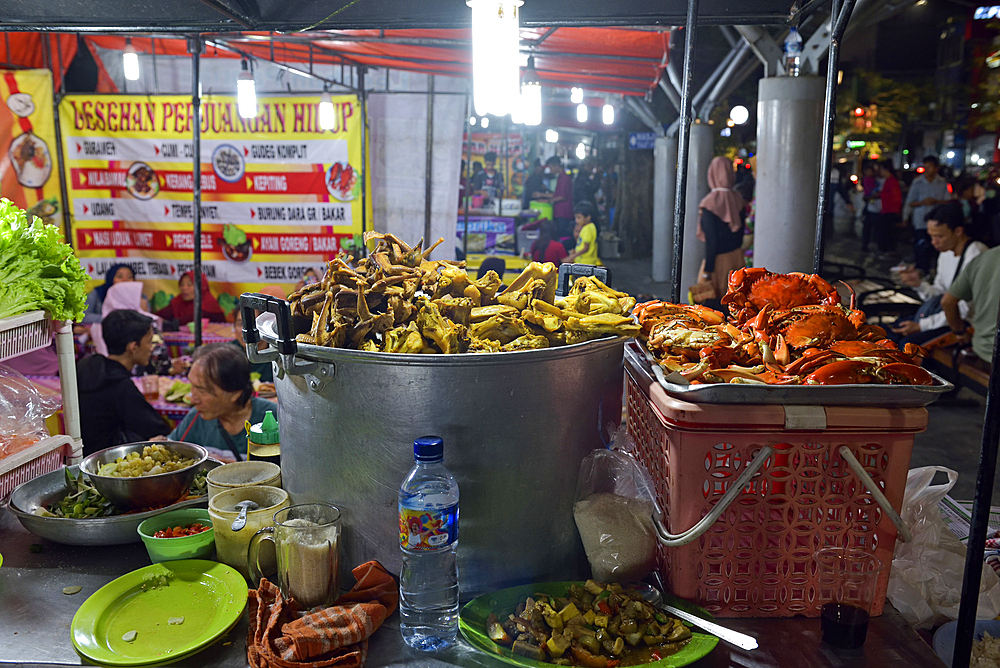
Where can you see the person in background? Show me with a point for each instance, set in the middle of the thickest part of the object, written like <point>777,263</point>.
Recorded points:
<point>946,228</point>
<point>181,307</point>
<point>927,191</point>
<point>127,295</point>
<point>584,187</point>
<point>263,368</point>
<point>310,276</point>
<point>585,232</point>
<point>222,395</point>
<point>720,225</point>
<point>116,273</point>
<point>978,284</point>
<point>547,247</point>
<point>872,208</point>
<point>489,182</point>
<point>112,409</point>
<point>562,198</point>
<point>891,198</point>
<point>534,185</point>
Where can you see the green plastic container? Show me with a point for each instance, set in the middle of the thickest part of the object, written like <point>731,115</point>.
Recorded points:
<point>199,546</point>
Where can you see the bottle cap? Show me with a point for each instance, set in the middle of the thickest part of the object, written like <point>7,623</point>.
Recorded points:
<point>266,432</point>
<point>428,449</point>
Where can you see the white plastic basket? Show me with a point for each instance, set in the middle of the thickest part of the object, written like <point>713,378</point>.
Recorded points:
<point>20,334</point>
<point>43,457</point>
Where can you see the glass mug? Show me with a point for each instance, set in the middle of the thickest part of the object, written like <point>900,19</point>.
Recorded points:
<point>306,540</point>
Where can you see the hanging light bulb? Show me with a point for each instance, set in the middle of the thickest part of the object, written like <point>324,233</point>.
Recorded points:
<point>581,151</point>
<point>581,113</point>
<point>327,117</point>
<point>485,122</point>
<point>472,120</point>
<point>495,55</point>
<point>576,95</point>
<point>608,114</point>
<point>130,61</point>
<point>246,92</point>
<point>551,136</point>
<point>531,95</point>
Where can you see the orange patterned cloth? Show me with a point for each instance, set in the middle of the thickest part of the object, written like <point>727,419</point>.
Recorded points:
<point>283,635</point>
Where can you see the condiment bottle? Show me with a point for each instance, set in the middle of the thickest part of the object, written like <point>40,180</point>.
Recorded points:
<point>263,442</point>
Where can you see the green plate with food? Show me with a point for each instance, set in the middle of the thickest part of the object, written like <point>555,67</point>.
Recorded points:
<point>159,614</point>
<point>582,624</point>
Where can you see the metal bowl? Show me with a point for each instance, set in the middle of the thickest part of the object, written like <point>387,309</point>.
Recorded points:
<point>26,500</point>
<point>148,491</point>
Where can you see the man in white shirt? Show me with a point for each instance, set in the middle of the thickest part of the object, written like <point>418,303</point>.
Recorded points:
<point>946,229</point>
<point>927,191</point>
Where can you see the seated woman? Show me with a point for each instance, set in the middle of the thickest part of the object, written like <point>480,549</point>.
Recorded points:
<point>117,273</point>
<point>547,247</point>
<point>223,400</point>
<point>181,307</point>
<point>126,295</point>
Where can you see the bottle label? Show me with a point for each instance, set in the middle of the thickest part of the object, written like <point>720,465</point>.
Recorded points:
<point>428,529</point>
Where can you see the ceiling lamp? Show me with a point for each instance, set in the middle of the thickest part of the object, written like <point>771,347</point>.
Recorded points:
<point>608,114</point>
<point>130,61</point>
<point>581,113</point>
<point>472,120</point>
<point>739,114</point>
<point>531,95</point>
<point>495,55</point>
<point>576,95</point>
<point>551,136</point>
<point>327,117</point>
<point>246,92</point>
<point>581,151</point>
<point>485,122</point>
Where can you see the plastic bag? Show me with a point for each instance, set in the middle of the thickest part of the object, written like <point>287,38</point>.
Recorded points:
<point>613,512</point>
<point>925,583</point>
<point>22,412</point>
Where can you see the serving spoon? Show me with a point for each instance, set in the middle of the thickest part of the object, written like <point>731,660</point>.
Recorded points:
<point>241,519</point>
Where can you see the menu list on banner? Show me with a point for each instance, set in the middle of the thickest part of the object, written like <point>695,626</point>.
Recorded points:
<point>279,195</point>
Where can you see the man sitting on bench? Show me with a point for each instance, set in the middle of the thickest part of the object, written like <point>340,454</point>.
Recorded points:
<point>978,284</point>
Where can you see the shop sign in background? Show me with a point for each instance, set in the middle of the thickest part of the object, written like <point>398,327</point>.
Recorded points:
<point>29,171</point>
<point>279,195</point>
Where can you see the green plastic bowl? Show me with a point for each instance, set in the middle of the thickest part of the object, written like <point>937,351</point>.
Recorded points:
<point>198,546</point>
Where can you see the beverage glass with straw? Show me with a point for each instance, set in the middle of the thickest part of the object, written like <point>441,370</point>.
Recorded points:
<point>847,579</point>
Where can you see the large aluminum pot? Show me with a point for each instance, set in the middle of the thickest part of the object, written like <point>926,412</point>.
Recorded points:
<point>515,427</point>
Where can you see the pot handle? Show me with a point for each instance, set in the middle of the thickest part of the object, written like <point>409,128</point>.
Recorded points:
<point>603,274</point>
<point>250,301</point>
<point>903,532</point>
<point>671,540</point>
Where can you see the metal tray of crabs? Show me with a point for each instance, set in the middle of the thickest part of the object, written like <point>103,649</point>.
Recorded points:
<point>788,339</point>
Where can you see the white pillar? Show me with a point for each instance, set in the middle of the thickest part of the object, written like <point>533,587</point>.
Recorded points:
<point>664,180</point>
<point>699,156</point>
<point>789,133</point>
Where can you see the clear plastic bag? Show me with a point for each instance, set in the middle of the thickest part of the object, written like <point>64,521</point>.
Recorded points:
<point>22,412</point>
<point>614,506</point>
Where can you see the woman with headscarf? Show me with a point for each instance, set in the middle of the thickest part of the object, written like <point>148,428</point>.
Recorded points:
<point>127,295</point>
<point>116,274</point>
<point>181,307</point>
<point>720,225</point>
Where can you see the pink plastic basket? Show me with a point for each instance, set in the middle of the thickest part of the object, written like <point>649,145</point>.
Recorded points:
<point>756,560</point>
<point>43,457</point>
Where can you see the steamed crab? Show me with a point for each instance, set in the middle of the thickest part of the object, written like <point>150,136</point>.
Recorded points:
<point>752,288</point>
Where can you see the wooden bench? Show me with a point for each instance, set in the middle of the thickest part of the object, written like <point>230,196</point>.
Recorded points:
<point>958,364</point>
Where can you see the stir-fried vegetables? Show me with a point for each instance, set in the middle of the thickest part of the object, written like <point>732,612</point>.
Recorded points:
<point>595,625</point>
<point>155,459</point>
<point>84,501</point>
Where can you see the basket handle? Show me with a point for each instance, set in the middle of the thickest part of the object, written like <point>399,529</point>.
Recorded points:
<point>903,532</point>
<point>671,540</point>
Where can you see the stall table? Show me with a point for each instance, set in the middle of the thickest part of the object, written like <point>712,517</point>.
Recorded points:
<point>35,618</point>
<point>48,386</point>
<point>213,332</point>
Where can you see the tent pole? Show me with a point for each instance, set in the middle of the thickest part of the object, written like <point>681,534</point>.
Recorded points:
<point>364,155</point>
<point>194,47</point>
<point>429,164</point>
<point>683,142</point>
<point>468,177</point>
<point>60,159</point>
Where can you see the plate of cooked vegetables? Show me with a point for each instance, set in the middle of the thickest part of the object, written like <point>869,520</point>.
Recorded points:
<point>590,624</point>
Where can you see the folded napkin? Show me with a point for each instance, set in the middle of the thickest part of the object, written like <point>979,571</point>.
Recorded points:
<point>283,635</point>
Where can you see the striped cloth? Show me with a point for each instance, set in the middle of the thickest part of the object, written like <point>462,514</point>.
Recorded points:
<point>283,635</point>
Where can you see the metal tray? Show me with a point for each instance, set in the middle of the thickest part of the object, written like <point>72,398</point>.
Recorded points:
<point>899,396</point>
<point>113,530</point>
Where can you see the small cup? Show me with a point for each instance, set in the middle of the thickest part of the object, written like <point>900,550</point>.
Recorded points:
<point>243,474</point>
<point>306,539</point>
<point>847,579</point>
<point>150,387</point>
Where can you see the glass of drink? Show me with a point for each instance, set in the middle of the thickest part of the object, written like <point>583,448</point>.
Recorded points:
<point>847,579</point>
<point>151,387</point>
<point>306,540</point>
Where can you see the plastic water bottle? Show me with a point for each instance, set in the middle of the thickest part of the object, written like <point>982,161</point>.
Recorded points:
<point>428,538</point>
<point>793,53</point>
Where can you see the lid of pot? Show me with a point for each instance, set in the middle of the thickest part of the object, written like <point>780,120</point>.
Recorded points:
<point>266,432</point>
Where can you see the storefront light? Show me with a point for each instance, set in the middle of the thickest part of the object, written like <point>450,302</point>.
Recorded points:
<point>581,113</point>
<point>327,118</point>
<point>130,61</point>
<point>581,151</point>
<point>246,93</point>
<point>495,56</point>
<point>950,154</point>
<point>485,122</point>
<point>551,136</point>
<point>739,114</point>
<point>531,96</point>
<point>576,95</point>
<point>608,114</point>
<point>472,120</point>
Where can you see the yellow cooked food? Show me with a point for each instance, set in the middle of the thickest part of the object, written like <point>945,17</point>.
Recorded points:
<point>155,459</point>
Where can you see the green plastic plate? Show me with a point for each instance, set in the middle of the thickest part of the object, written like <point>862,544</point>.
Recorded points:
<point>209,596</point>
<point>472,622</point>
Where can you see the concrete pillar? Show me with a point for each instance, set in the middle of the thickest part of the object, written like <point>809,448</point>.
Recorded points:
<point>699,156</point>
<point>789,134</point>
<point>664,180</point>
